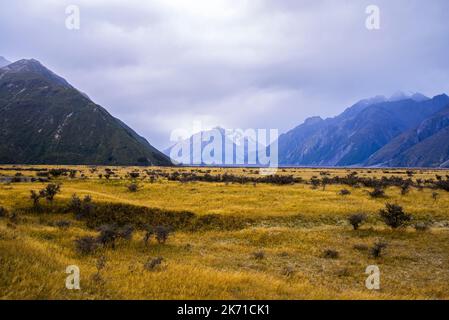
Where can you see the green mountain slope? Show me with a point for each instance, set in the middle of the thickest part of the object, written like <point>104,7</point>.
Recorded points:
<point>43,119</point>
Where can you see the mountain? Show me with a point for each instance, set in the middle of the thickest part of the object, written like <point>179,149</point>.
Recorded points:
<point>426,145</point>
<point>234,146</point>
<point>45,120</point>
<point>361,130</point>
<point>3,62</point>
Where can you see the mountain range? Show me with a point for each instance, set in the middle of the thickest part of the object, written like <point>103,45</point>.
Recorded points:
<point>45,120</point>
<point>373,132</point>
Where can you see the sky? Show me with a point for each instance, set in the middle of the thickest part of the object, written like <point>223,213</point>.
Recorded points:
<point>162,65</point>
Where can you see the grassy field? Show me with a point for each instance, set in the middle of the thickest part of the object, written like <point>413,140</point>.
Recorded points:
<point>249,240</point>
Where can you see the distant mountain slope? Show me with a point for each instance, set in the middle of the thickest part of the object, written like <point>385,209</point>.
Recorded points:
<point>236,148</point>
<point>426,145</point>
<point>43,119</point>
<point>352,137</point>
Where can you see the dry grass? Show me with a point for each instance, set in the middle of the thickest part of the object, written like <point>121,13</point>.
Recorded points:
<point>293,225</point>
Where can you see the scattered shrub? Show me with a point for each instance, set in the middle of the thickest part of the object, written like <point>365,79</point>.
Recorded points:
<point>81,208</point>
<point>330,254</point>
<point>356,220</point>
<point>377,193</point>
<point>133,187</point>
<point>394,216</point>
<point>435,196</point>
<point>288,271</point>
<point>51,190</point>
<point>134,175</point>
<point>3,212</point>
<point>259,255</point>
<point>162,234</point>
<point>376,250</point>
<point>86,245</point>
<point>63,224</point>
<point>361,247</point>
<point>152,264</point>
<point>421,226</point>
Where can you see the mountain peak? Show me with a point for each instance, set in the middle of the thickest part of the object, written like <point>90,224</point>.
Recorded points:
<point>4,62</point>
<point>35,67</point>
<point>401,95</point>
<point>312,120</point>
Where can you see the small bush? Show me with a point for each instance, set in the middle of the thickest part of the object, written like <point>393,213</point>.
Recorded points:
<point>134,175</point>
<point>108,235</point>
<point>435,196</point>
<point>63,224</point>
<point>162,234</point>
<point>3,212</point>
<point>86,245</point>
<point>377,193</point>
<point>152,264</point>
<point>356,220</point>
<point>288,271</point>
<point>421,226</point>
<point>361,247</point>
<point>51,190</point>
<point>81,208</point>
<point>133,187</point>
<point>330,254</point>
<point>259,255</point>
<point>394,216</point>
<point>376,250</point>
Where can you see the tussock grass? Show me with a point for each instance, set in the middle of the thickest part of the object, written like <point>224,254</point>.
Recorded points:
<point>218,230</point>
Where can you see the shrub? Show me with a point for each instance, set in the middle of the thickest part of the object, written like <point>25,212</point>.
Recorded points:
<point>377,193</point>
<point>344,192</point>
<point>360,247</point>
<point>162,234</point>
<point>86,245</point>
<point>81,208</point>
<point>435,196</point>
<point>108,235</point>
<point>152,264</point>
<point>356,220</point>
<point>421,226</point>
<point>330,254</point>
<point>288,271</point>
<point>394,216</point>
<point>376,250</point>
<point>259,255</point>
<point>63,224</point>
<point>126,232</point>
<point>134,175</point>
<point>133,187</point>
<point>57,172</point>
<point>3,212</point>
<point>35,197</point>
<point>51,190</point>
<point>405,188</point>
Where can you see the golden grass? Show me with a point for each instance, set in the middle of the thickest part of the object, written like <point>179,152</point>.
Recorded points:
<point>219,264</point>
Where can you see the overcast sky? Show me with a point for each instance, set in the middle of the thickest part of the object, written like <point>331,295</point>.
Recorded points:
<point>160,65</point>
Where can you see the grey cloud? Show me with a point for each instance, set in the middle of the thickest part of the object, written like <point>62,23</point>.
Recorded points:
<point>159,65</point>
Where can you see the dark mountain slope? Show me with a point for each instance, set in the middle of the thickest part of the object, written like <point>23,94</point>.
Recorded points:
<point>43,119</point>
<point>426,145</point>
<point>352,137</point>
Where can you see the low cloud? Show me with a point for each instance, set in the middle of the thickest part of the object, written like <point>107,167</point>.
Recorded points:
<point>160,65</point>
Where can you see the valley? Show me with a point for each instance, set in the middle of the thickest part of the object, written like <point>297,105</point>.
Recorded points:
<point>220,233</point>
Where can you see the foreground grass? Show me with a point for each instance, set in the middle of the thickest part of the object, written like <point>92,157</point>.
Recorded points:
<point>293,225</point>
